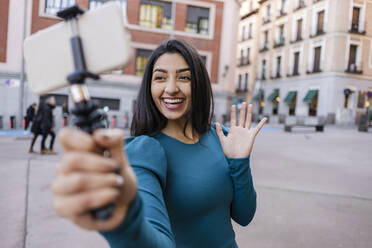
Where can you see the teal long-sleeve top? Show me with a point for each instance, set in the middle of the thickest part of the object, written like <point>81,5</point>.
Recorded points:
<point>187,194</point>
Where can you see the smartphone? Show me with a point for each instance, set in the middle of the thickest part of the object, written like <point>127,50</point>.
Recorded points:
<point>48,54</point>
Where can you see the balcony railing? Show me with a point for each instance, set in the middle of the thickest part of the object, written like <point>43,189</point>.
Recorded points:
<point>314,70</point>
<point>276,76</point>
<point>280,43</point>
<point>301,4</point>
<point>266,20</point>
<point>298,38</point>
<point>242,61</point>
<point>315,1</point>
<point>282,13</point>
<point>318,33</point>
<point>295,73</point>
<point>353,68</point>
<point>239,90</point>
<point>264,48</point>
<point>356,30</point>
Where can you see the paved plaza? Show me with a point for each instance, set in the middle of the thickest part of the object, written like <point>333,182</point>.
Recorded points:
<point>314,190</point>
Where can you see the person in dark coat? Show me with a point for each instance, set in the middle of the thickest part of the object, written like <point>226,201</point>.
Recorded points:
<point>47,126</point>
<point>30,114</point>
<point>36,126</point>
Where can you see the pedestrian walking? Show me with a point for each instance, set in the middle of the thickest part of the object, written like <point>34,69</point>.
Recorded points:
<point>30,114</point>
<point>47,126</point>
<point>185,177</point>
<point>36,126</point>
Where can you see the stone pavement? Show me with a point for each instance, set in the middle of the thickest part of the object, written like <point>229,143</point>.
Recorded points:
<point>314,190</point>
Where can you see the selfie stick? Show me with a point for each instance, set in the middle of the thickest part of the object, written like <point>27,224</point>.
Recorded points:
<point>85,110</point>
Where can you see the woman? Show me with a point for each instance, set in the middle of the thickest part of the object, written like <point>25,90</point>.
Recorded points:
<point>192,178</point>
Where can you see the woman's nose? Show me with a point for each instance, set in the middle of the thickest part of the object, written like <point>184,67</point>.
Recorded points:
<point>172,86</point>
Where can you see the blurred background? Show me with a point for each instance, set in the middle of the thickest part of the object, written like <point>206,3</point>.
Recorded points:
<point>298,61</point>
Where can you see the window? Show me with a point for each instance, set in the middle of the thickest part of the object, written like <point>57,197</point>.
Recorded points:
<point>278,66</point>
<point>197,20</point>
<point>141,60</point>
<point>240,82</point>
<point>352,57</point>
<point>93,4</point>
<point>320,23</point>
<point>299,29</point>
<point>266,39</point>
<point>243,32</point>
<point>248,55</point>
<point>250,31</point>
<point>281,39</point>
<point>361,98</point>
<point>355,20</point>
<point>53,6</point>
<point>317,52</point>
<point>246,82</point>
<point>296,63</point>
<point>263,70</point>
<point>113,104</point>
<point>282,7</point>
<point>155,14</point>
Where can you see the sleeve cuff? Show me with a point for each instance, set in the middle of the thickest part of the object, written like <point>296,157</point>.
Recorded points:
<point>132,218</point>
<point>236,164</point>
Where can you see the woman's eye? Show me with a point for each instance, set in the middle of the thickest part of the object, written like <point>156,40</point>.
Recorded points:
<point>159,78</point>
<point>185,78</point>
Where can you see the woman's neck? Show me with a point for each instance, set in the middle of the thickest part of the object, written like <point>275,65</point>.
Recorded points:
<point>175,129</point>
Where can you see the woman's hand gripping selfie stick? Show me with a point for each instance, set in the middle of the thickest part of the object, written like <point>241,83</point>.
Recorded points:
<point>85,110</point>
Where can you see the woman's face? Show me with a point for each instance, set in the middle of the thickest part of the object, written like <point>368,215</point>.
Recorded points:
<point>171,86</point>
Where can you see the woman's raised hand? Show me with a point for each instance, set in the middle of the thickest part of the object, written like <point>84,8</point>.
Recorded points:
<point>86,180</point>
<point>240,139</point>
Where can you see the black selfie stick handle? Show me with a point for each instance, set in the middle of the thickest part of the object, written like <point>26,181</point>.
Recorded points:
<point>87,116</point>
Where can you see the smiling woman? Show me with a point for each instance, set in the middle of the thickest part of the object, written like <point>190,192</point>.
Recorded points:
<point>175,72</point>
<point>184,179</point>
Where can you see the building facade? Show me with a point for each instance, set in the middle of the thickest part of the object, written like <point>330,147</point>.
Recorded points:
<point>314,60</point>
<point>203,23</point>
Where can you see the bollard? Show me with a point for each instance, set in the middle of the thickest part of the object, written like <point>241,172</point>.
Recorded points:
<point>12,122</point>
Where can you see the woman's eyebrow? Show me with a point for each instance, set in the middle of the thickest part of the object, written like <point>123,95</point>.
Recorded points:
<point>160,70</point>
<point>182,70</point>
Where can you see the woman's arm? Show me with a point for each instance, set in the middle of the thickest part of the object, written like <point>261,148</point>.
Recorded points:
<point>237,146</point>
<point>243,206</point>
<point>147,223</point>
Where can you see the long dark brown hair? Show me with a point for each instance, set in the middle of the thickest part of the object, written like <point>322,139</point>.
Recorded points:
<point>147,119</point>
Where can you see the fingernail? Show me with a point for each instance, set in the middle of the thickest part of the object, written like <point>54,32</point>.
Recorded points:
<point>119,180</point>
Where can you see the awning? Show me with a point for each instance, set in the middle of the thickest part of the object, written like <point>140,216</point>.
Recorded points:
<point>290,96</point>
<point>273,95</point>
<point>310,96</point>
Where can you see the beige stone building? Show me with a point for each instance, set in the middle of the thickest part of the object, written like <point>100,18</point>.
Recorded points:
<point>310,60</point>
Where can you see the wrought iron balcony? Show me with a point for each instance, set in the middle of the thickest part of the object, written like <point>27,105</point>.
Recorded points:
<point>301,4</point>
<point>280,43</point>
<point>318,33</point>
<point>353,68</point>
<point>356,30</point>
<point>298,38</point>
<point>282,13</point>
<point>264,48</point>
<point>242,61</point>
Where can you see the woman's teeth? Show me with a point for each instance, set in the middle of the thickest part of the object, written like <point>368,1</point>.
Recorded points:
<point>173,101</point>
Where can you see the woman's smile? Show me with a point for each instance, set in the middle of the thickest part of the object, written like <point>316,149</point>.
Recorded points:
<point>173,103</point>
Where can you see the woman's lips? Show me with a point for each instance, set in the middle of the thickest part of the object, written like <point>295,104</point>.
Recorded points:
<point>172,104</point>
